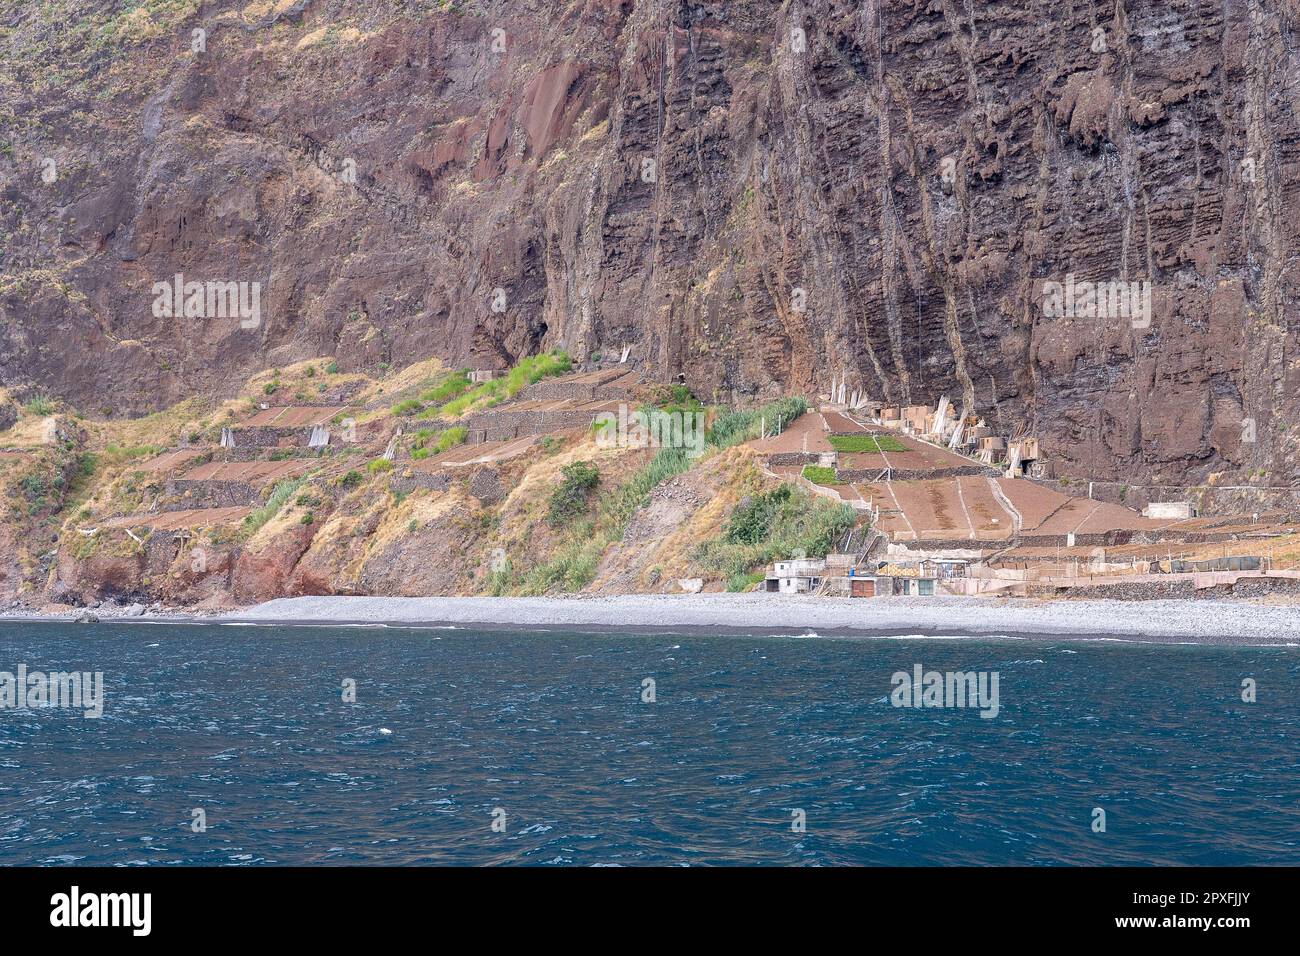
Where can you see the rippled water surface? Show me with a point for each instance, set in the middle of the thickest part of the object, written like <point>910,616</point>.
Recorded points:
<point>450,725</point>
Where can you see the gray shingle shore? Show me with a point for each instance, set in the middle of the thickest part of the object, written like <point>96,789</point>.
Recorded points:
<point>1201,621</point>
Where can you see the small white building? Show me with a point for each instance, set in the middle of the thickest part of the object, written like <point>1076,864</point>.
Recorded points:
<point>797,576</point>
<point>1177,510</point>
<point>945,568</point>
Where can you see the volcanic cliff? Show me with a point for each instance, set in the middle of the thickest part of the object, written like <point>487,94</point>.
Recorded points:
<point>761,197</point>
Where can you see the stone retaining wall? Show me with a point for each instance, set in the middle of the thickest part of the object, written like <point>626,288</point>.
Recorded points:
<point>1107,539</point>
<point>269,436</point>
<point>259,452</point>
<point>432,480</point>
<point>1136,591</point>
<point>209,494</point>
<point>1162,590</point>
<point>850,476</point>
<point>485,485</point>
<point>160,551</point>
<point>505,425</point>
<point>610,393</point>
<point>788,458</point>
<point>953,544</point>
<point>553,390</point>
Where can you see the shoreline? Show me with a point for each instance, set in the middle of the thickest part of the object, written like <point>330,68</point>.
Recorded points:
<point>1207,621</point>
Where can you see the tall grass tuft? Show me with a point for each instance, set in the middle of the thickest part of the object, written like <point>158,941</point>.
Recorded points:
<point>447,389</point>
<point>734,427</point>
<point>529,371</point>
<point>39,405</point>
<point>452,437</point>
<point>283,492</point>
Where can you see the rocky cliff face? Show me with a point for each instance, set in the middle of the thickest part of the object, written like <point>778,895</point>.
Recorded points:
<point>759,196</point>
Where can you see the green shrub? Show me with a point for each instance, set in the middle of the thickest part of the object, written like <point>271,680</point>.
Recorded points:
<point>33,486</point>
<point>307,518</point>
<point>408,407</point>
<point>533,369</point>
<point>866,443</point>
<point>771,526</point>
<point>570,499</point>
<point>819,474</point>
<point>679,399</point>
<point>745,582</point>
<point>332,368</point>
<point>379,465</point>
<point>751,520</point>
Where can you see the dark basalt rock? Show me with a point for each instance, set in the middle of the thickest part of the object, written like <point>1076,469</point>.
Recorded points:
<point>751,204</point>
